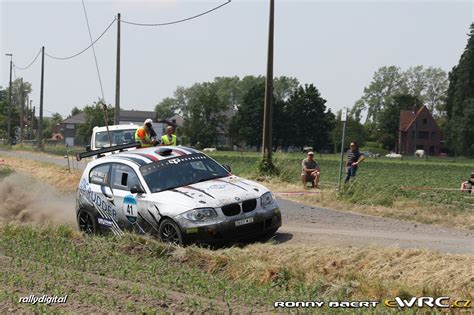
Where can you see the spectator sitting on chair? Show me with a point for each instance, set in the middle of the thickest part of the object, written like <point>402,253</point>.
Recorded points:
<point>468,186</point>
<point>311,171</point>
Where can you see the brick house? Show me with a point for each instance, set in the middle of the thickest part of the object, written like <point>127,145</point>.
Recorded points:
<point>419,131</point>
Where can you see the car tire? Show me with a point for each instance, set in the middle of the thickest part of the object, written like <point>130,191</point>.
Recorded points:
<point>170,233</point>
<point>87,222</point>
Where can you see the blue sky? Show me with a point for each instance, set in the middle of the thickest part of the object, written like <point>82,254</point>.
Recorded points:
<point>336,45</point>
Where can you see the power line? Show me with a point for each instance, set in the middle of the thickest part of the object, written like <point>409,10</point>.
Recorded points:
<point>93,49</point>
<point>31,63</point>
<point>178,21</point>
<point>82,51</point>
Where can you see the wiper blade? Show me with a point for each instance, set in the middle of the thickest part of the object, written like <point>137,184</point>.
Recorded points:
<point>210,178</point>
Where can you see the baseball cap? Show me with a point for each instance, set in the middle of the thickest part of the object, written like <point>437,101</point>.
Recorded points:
<point>310,153</point>
<point>472,174</point>
<point>148,121</point>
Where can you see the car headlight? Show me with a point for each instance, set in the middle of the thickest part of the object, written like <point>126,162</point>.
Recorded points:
<point>267,199</point>
<point>200,214</point>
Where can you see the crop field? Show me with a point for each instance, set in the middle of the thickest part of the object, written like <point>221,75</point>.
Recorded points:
<point>139,274</point>
<point>379,181</point>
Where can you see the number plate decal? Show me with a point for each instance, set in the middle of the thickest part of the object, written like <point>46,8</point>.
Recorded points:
<point>243,221</point>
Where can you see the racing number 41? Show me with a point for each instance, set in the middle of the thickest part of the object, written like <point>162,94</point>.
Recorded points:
<point>130,210</point>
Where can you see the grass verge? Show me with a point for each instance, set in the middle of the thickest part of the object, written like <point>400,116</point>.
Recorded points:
<point>138,274</point>
<point>401,209</point>
<point>57,176</point>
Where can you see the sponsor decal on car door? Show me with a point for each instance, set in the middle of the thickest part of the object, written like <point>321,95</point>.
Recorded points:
<point>130,205</point>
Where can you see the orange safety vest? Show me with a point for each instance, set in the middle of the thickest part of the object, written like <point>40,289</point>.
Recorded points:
<point>141,135</point>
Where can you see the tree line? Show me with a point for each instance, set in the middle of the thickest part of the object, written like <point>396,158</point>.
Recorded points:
<point>232,108</point>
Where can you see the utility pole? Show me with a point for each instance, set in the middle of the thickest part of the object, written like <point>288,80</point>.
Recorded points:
<point>40,122</point>
<point>267,112</point>
<point>9,101</point>
<point>414,130</point>
<point>27,118</point>
<point>22,101</point>
<point>33,116</point>
<point>117,79</point>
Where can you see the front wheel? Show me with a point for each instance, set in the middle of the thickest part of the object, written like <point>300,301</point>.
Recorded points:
<point>87,222</point>
<point>169,232</point>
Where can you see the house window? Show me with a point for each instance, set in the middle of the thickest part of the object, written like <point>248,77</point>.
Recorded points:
<point>425,121</point>
<point>69,126</point>
<point>433,134</point>
<point>423,134</point>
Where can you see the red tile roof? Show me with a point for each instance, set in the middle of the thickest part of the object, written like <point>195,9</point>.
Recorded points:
<point>406,117</point>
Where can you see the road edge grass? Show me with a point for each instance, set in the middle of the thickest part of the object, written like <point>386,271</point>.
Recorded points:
<point>248,278</point>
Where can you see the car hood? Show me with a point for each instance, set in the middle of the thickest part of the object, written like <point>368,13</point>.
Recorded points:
<point>212,193</point>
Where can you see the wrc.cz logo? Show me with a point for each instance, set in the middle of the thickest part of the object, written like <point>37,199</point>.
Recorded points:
<point>422,301</point>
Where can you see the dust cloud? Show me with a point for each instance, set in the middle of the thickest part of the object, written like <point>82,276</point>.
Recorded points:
<point>25,200</point>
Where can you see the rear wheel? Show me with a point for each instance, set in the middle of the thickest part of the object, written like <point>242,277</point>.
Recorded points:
<point>169,232</point>
<point>87,222</point>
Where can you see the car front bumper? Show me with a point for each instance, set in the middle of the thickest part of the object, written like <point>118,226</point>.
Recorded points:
<point>228,230</point>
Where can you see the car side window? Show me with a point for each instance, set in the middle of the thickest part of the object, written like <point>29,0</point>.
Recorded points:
<point>124,177</point>
<point>99,175</point>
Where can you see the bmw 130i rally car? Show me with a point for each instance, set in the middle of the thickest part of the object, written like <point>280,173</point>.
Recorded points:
<point>176,193</point>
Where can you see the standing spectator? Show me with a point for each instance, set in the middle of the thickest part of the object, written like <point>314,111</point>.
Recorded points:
<point>468,186</point>
<point>354,158</point>
<point>169,138</point>
<point>143,134</point>
<point>311,171</point>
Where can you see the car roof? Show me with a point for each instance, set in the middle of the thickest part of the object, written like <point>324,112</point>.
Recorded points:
<point>116,127</point>
<point>143,156</point>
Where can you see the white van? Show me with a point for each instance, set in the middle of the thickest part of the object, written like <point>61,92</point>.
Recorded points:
<point>120,134</point>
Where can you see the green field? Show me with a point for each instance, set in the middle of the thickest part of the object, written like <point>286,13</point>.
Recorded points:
<point>379,181</point>
<point>140,275</point>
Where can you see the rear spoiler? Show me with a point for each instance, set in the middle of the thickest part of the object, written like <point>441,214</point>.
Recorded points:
<point>98,152</point>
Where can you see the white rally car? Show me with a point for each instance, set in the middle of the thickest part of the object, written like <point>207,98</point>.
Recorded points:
<point>176,193</point>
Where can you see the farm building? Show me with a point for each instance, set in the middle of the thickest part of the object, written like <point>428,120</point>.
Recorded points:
<point>419,131</point>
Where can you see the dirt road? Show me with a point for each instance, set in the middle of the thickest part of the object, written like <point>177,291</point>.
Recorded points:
<point>303,224</point>
<point>313,225</point>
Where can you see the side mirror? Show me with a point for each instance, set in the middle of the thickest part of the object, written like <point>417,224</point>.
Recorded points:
<point>88,148</point>
<point>227,167</point>
<point>136,190</point>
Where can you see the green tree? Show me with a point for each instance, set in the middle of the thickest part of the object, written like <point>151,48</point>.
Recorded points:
<point>50,123</point>
<point>460,102</point>
<point>206,118</point>
<point>15,106</point>
<point>94,117</point>
<point>75,111</point>
<point>309,122</point>
<point>428,85</point>
<point>167,108</point>
<point>387,81</point>
<point>247,124</point>
<point>283,87</point>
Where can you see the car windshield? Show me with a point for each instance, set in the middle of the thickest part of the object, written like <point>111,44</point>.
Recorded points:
<point>181,171</point>
<point>118,137</point>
